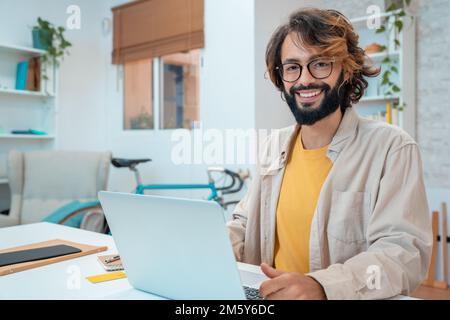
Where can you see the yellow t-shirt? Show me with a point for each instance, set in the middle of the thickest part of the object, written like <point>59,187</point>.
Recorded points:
<point>305,173</point>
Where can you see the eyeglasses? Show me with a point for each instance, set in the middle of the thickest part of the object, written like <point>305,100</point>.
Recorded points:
<point>320,68</point>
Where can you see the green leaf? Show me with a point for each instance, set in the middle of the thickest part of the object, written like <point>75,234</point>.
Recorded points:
<point>65,44</point>
<point>402,13</point>
<point>397,43</point>
<point>383,48</point>
<point>399,25</point>
<point>408,2</point>
<point>386,60</point>
<point>43,24</point>
<point>395,88</point>
<point>394,69</point>
<point>392,7</point>
<point>400,107</point>
<point>381,29</point>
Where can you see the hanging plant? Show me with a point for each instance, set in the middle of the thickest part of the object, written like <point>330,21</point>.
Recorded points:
<point>393,24</point>
<point>50,38</point>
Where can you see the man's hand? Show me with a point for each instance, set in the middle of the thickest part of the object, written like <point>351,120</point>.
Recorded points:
<point>289,286</point>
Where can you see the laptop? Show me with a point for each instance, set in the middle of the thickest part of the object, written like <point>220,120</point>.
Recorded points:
<point>176,248</point>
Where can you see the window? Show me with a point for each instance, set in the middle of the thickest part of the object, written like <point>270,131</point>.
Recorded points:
<point>180,103</point>
<point>178,99</point>
<point>168,33</point>
<point>138,100</point>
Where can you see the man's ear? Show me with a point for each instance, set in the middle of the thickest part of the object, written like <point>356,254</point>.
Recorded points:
<point>347,75</point>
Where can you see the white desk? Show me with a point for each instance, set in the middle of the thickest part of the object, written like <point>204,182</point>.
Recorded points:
<point>56,281</point>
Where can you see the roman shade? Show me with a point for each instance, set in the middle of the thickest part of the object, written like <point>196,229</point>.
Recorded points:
<point>152,28</point>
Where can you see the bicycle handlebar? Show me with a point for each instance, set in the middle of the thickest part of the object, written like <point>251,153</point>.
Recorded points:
<point>238,177</point>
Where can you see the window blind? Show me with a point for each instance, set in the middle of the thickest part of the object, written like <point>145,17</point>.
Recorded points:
<point>152,28</point>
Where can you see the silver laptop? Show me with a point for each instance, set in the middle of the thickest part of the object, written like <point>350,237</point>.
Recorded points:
<point>174,248</point>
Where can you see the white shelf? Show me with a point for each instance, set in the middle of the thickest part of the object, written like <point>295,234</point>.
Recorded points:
<point>26,136</point>
<point>19,49</point>
<point>405,63</point>
<point>378,99</point>
<point>26,93</point>
<point>363,19</point>
<point>24,109</point>
<point>382,55</point>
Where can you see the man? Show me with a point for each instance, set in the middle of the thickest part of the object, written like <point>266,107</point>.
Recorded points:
<point>339,211</point>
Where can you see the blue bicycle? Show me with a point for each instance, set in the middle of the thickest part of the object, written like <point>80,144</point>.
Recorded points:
<point>91,212</point>
<point>236,184</point>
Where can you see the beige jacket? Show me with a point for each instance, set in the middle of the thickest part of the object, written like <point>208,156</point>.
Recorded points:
<point>371,233</point>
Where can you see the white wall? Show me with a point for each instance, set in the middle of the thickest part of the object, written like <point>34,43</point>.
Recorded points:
<point>228,86</point>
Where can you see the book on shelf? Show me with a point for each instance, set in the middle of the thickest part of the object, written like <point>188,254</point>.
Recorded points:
<point>34,74</point>
<point>21,77</point>
<point>390,115</point>
<point>379,116</point>
<point>29,75</point>
<point>30,132</point>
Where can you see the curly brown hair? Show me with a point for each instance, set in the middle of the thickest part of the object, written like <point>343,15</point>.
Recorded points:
<point>333,35</point>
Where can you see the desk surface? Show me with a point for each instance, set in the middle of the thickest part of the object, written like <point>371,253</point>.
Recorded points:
<point>67,279</point>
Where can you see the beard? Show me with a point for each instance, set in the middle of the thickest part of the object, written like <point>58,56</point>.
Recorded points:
<point>306,114</point>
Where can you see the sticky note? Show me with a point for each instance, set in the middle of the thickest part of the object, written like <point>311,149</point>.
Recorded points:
<point>107,277</point>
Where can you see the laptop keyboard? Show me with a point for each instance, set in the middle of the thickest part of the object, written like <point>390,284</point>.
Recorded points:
<point>252,293</point>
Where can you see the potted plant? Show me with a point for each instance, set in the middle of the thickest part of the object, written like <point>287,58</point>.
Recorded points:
<point>143,120</point>
<point>50,38</point>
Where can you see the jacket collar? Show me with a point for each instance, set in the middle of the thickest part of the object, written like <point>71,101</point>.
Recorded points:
<point>347,129</point>
<point>285,137</point>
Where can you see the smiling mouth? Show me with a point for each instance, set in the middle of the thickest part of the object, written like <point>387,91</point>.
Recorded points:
<point>309,93</point>
<point>308,96</point>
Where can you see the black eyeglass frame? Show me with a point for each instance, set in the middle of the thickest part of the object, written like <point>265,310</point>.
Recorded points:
<point>280,68</point>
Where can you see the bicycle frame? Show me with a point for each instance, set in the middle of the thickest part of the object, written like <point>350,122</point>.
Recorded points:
<point>140,189</point>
